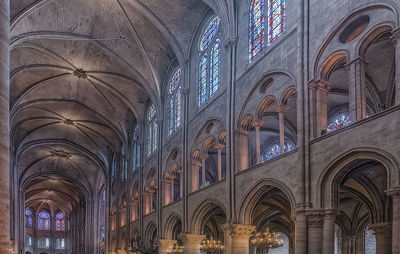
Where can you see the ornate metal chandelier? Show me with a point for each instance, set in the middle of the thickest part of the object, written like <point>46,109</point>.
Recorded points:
<point>176,249</point>
<point>211,245</point>
<point>266,240</point>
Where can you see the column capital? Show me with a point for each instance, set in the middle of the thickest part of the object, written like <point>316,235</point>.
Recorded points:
<point>381,228</point>
<point>203,156</point>
<point>241,132</point>
<point>257,123</point>
<point>219,146</point>
<point>238,231</point>
<point>396,35</point>
<point>165,244</point>
<point>315,218</point>
<point>191,238</point>
<point>319,84</point>
<point>393,193</point>
<point>194,162</point>
<point>231,42</point>
<point>282,109</point>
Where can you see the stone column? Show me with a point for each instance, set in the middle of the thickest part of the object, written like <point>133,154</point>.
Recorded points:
<point>301,233</point>
<point>257,125</point>
<point>328,245</point>
<point>396,41</point>
<point>194,165</point>
<point>349,244</point>
<point>167,185</point>
<point>180,183</point>
<point>203,170</point>
<point>242,149</point>
<point>4,126</point>
<point>281,111</point>
<point>219,148</point>
<point>395,194</point>
<point>315,224</point>
<point>147,202</point>
<point>357,90</point>
<point>237,238</point>
<point>134,210</point>
<point>321,116</point>
<point>191,243</point>
<point>383,234</point>
<point>165,245</point>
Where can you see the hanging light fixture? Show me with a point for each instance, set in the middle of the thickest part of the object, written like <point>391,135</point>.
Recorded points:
<point>266,240</point>
<point>176,249</point>
<point>211,246</point>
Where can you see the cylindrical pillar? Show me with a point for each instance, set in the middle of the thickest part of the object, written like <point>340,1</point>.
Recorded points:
<point>203,171</point>
<point>321,108</point>
<point>301,233</point>
<point>219,148</point>
<point>237,238</point>
<point>167,185</point>
<point>329,233</point>
<point>194,165</point>
<point>191,243</point>
<point>315,224</point>
<point>357,90</point>
<point>165,245</point>
<point>396,40</point>
<point>242,149</point>
<point>257,125</point>
<point>4,126</point>
<point>395,194</point>
<point>383,235</point>
<point>281,112</point>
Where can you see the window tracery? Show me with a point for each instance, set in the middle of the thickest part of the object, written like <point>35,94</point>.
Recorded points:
<point>210,62</point>
<point>44,221</point>
<point>28,218</point>
<point>60,222</point>
<point>124,164</point>
<point>339,122</point>
<point>152,130</point>
<point>136,148</point>
<point>174,103</point>
<point>274,151</point>
<point>275,24</point>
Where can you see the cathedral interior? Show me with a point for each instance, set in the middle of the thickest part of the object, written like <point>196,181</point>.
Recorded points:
<point>200,126</point>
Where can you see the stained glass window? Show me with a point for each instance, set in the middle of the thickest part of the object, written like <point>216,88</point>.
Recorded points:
<point>203,93</point>
<point>370,241</point>
<point>44,220</point>
<point>174,103</point>
<point>114,166</point>
<point>257,30</point>
<point>339,122</point>
<point>210,62</point>
<point>276,19</point>
<point>60,222</point>
<point>136,148</point>
<point>274,151</point>
<point>28,218</point>
<point>215,68</point>
<point>124,163</point>
<point>209,33</point>
<point>152,130</point>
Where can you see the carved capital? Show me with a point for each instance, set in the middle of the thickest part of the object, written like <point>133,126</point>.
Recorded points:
<point>315,219</point>
<point>194,163</point>
<point>257,123</point>
<point>219,146</point>
<point>165,245</point>
<point>241,132</point>
<point>231,42</point>
<point>191,238</point>
<point>384,228</point>
<point>238,231</point>
<point>282,109</point>
<point>394,193</point>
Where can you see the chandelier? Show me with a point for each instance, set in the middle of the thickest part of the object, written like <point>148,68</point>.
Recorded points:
<point>211,245</point>
<point>266,240</point>
<point>176,249</point>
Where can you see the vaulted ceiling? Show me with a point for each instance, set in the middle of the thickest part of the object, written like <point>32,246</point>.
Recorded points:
<point>82,72</point>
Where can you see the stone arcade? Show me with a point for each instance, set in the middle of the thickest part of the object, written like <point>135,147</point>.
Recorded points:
<point>129,126</point>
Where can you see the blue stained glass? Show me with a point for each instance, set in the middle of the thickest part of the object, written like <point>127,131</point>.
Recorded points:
<point>203,94</point>
<point>152,130</point>
<point>370,241</point>
<point>209,33</point>
<point>60,222</point>
<point>215,68</point>
<point>339,122</point>
<point>276,19</point>
<point>274,151</point>
<point>257,33</point>
<point>44,221</point>
<point>28,218</point>
<point>136,148</point>
<point>174,103</point>
<point>28,211</point>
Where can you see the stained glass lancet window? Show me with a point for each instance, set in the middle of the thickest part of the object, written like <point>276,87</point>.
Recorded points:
<point>28,218</point>
<point>340,121</point>
<point>124,164</point>
<point>274,151</point>
<point>60,222</point>
<point>370,241</point>
<point>136,148</point>
<point>257,30</point>
<point>44,221</point>
<point>215,69</point>
<point>276,19</point>
<point>174,102</point>
<point>152,130</point>
<point>210,62</point>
